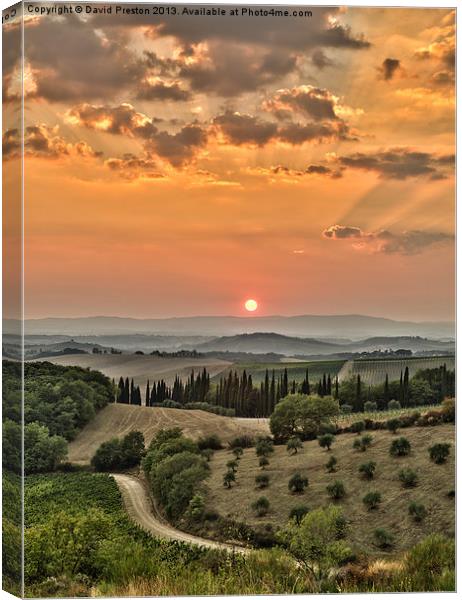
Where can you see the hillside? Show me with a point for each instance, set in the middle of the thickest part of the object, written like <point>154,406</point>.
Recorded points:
<point>374,371</point>
<point>116,420</point>
<point>140,367</point>
<point>435,481</point>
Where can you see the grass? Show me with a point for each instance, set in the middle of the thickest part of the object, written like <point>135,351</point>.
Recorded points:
<point>435,481</point>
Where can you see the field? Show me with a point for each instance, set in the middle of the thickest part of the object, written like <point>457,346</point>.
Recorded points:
<point>435,481</point>
<point>374,371</point>
<point>296,370</point>
<point>116,420</point>
<point>140,367</point>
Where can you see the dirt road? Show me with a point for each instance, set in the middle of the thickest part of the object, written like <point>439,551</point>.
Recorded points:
<point>142,511</point>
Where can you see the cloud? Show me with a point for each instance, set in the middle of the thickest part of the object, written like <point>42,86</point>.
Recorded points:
<point>442,51</point>
<point>320,60</point>
<point>400,163</point>
<point>385,242</point>
<point>156,89</point>
<point>389,68</point>
<point>132,167</point>
<point>289,174</point>
<point>177,148</point>
<point>310,101</point>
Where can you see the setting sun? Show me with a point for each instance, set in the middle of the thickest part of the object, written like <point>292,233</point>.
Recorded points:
<point>251,305</point>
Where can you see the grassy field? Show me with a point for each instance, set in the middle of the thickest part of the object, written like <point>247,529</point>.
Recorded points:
<point>116,420</point>
<point>374,371</point>
<point>140,367</point>
<point>296,370</point>
<point>435,481</point>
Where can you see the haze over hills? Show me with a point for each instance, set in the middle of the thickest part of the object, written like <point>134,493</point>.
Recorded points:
<point>354,327</point>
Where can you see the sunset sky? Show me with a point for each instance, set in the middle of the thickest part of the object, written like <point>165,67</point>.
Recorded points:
<point>180,165</point>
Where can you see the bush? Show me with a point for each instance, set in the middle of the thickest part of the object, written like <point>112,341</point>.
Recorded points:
<point>242,441</point>
<point>430,559</point>
<point>263,462</point>
<point>330,464</point>
<point>207,453</point>
<point>393,425</point>
<point>211,442</point>
<point>417,511</point>
<point>368,469</point>
<point>346,409</point>
<point>393,405</point>
<point>326,440</point>
<point>336,490</point>
<point>232,465</point>
<point>264,446</point>
<point>238,452</point>
<point>363,443</point>
<point>262,481</point>
<point>400,447</point>
<point>357,427</point>
<point>408,477</point>
<point>228,479</point>
<point>357,445</point>
<point>372,500</point>
<point>298,483</point>
<point>196,507</point>
<point>261,506</point>
<point>449,410</point>
<point>439,453</point>
<point>370,406</point>
<point>294,445</point>
<point>383,538</point>
<point>298,512</point>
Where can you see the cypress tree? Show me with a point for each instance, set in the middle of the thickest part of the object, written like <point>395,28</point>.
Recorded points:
<point>148,394</point>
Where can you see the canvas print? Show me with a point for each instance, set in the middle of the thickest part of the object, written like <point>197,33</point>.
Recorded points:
<point>229,299</point>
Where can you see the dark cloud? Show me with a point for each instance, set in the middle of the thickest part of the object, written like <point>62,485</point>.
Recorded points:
<point>389,68</point>
<point>323,170</point>
<point>132,167</point>
<point>400,163</point>
<point>314,102</point>
<point>11,144</point>
<point>320,60</point>
<point>161,90</point>
<point>444,78</point>
<point>386,242</point>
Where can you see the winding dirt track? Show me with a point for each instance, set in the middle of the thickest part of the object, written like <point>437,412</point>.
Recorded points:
<point>144,513</point>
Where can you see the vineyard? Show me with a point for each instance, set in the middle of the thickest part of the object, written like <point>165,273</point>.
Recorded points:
<point>373,372</point>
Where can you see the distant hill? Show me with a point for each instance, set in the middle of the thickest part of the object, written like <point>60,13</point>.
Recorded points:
<point>355,327</point>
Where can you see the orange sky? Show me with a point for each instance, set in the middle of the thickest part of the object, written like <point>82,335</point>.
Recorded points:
<point>179,166</point>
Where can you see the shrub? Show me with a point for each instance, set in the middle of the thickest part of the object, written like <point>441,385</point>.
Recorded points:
<point>294,445</point>
<point>366,441</point>
<point>400,447</point>
<point>207,453</point>
<point>408,477</point>
<point>429,559</point>
<point>367,469</point>
<point>439,453</point>
<point>393,425</point>
<point>326,440</point>
<point>262,481</point>
<point>449,410</point>
<point>242,441</point>
<point>357,445</point>
<point>370,406</point>
<point>346,409</point>
<point>228,479</point>
<point>393,405</point>
<point>417,511</point>
<point>372,500</point>
<point>336,490</point>
<point>383,538</point>
<point>330,464</point>
<point>261,506</point>
<point>211,442</point>
<point>298,483</point>
<point>238,452</point>
<point>263,462</point>
<point>357,427</point>
<point>196,507</point>
<point>264,446</point>
<point>298,512</point>
<point>232,465</point>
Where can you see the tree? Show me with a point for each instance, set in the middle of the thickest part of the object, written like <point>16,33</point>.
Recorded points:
<point>232,465</point>
<point>261,506</point>
<point>400,447</point>
<point>42,452</point>
<point>108,456</point>
<point>298,483</point>
<point>370,406</point>
<point>439,453</point>
<point>368,469</point>
<point>366,441</point>
<point>331,464</point>
<point>11,448</point>
<point>303,416</point>
<point>326,440</point>
<point>229,478</point>
<point>264,446</point>
<point>372,499</point>
<point>315,542</point>
<point>262,481</point>
<point>298,512</point>
<point>393,425</point>
<point>408,477</point>
<point>336,490</point>
<point>357,427</point>
<point>263,462</point>
<point>238,452</point>
<point>132,449</point>
<point>196,508</point>
<point>417,511</point>
<point>294,445</point>
<point>207,453</point>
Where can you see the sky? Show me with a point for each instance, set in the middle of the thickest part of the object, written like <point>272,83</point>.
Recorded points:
<point>179,165</point>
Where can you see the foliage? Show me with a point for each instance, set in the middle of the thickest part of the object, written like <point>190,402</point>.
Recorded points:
<point>326,440</point>
<point>370,406</point>
<point>400,447</point>
<point>298,483</point>
<point>302,415</point>
<point>408,477</point>
<point>229,478</point>
<point>207,454</point>
<point>393,405</point>
<point>211,442</point>
<point>243,441</point>
<point>232,465</point>
<point>196,508</point>
<point>261,506</point>
<point>294,444</point>
<point>393,425</point>
<point>331,464</point>
<point>263,462</point>
<point>262,481</point>
<point>119,454</point>
<point>264,446</point>
<point>372,499</point>
<point>368,469</point>
<point>357,427</point>
<point>336,490</point>
<point>417,511</point>
<point>298,512</point>
<point>238,452</point>
<point>430,560</point>
<point>363,443</point>
<point>11,444</point>
<point>383,538</point>
<point>42,451</point>
<point>439,453</point>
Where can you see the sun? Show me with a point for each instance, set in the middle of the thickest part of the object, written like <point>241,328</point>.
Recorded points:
<point>251,305</point>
